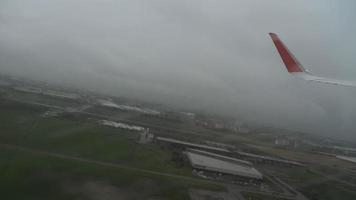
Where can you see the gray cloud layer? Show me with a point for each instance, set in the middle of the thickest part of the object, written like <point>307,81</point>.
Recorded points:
<point>213,55</point>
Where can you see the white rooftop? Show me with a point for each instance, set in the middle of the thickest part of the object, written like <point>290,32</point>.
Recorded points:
<point>121,125</point>
<point>209,163</point>
<point>222,157</point>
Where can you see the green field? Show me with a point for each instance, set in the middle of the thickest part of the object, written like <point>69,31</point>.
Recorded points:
<point>23,125</point>
<point>29,175</point>
<point>124,169</point>
<point>329,190</point>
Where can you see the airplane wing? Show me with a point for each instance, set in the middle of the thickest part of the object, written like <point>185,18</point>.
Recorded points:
<point>295,68</point>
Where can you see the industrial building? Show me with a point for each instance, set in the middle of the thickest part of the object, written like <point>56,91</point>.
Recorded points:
<point>221,157</point>
<point>254,158</point>
<point>232,169</point>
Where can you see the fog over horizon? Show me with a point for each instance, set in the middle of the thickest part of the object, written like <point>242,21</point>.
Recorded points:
<point>208,55</point>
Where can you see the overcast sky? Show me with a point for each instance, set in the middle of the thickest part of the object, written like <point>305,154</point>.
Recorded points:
<point>211,55</point>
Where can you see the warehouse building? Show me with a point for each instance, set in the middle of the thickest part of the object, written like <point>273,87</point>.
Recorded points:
<point>221,157</point>
<point>223,168</point>
<point>253,158</point>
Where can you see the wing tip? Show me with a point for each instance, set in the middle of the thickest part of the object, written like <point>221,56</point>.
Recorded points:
<point>294,66</point>
<point>288,58</point>
<point>274,36</point>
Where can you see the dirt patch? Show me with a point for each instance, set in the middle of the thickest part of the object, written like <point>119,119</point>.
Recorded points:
<point>97,190</point>
<point>103,190</point>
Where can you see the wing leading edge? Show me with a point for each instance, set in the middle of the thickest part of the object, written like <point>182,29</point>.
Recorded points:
<point>295,68</point>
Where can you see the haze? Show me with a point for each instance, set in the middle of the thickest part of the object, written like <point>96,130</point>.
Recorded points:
<point>210,55</point>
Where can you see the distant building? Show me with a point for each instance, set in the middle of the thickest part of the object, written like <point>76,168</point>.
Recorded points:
<point>145,137</point>
<point>286,142</point>
<point>218,125</point>
<point>241,127</point>
<point>280,141</point>
<point>188,115</point>
<point>212,124</point>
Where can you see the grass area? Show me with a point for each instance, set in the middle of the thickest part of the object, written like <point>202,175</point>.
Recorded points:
<point>42,98</point>
<point>23,125</point>
<point>298,176</point>
<point>329,190</point>
<point>27,176</point>
<point>317,186</point>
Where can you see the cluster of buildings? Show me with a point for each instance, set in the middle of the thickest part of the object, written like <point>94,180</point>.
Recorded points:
<point>210,160</point>
<point>284,141</point>
<point>229,125</point>
<point>213,162</point>
<point>219,161</point>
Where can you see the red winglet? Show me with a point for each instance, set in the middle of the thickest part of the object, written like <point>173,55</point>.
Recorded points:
<point>289,60</point>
